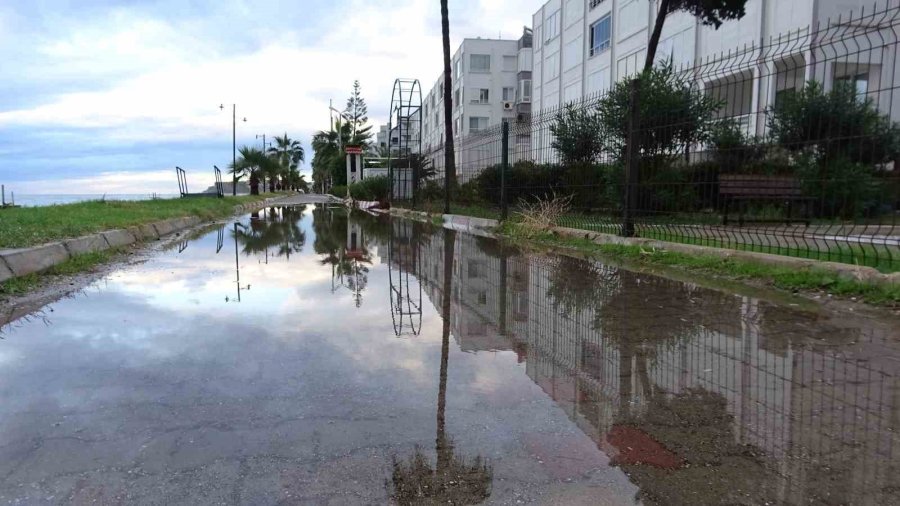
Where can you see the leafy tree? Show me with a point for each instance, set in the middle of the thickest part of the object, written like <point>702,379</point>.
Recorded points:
<point>356,113</point>
<point>673,114</point>
<point>837,124</point>
<point>577,135</point>
<point>708,12</point>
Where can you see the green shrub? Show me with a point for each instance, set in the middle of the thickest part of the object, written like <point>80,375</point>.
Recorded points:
<point>430,191</point>
<point>376,188</point>
<point>338,190</point>
<point>842,188</point>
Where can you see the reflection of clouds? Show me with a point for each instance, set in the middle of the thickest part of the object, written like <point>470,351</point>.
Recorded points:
<point>154,352</point>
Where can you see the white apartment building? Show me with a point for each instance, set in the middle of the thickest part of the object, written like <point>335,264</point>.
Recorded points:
<point>485,74</point>
<point>582,47</point>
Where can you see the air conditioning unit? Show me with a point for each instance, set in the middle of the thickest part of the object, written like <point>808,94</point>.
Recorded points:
<point>508,105</point>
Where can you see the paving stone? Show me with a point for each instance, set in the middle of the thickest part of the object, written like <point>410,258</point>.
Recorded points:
<point>86,244</point>
<point>118,238</point>
<point>37,259</point>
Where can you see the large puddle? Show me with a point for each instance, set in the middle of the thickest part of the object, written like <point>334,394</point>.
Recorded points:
<point>307,356</point>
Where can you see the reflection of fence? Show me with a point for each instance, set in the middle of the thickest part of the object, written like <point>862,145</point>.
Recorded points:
<point>647,158</point>
<point>405,295</point>
<point>806,407</point>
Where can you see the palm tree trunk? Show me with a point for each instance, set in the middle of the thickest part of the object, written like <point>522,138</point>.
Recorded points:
<point>443,448</point>
<point>449,155</point>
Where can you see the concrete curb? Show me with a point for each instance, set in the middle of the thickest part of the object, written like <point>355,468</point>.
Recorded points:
<point>20,262</point>
<point>484,226</point>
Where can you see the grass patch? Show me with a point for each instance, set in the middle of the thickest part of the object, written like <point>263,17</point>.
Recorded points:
<point>74,265</point>
<point>793,279</point>
<point>29,226</point>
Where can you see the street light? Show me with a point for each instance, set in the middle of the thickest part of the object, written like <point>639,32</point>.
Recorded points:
<point>233,145</point>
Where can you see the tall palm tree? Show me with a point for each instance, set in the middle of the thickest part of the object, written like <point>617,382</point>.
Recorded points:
<point>328,158</point>
<point>289,154</point>
<point>251,163</point>
<point>449,156</point>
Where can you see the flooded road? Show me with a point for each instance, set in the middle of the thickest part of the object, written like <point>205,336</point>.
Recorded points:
<point>306,356</point>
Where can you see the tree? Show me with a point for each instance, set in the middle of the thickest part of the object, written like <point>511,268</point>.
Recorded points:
<point>673,114</point>
<point>577,135</point>
<point>289,154</point>
<point>356,113</point>
<point>329,160</point>
<point>838,124</point>
<point>252,163</point>
<point>708,12</point>
<point>449,155</point>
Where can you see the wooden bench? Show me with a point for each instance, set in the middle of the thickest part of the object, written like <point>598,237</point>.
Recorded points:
<point>742,188</point>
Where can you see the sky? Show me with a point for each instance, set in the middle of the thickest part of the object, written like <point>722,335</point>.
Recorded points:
<point>109,96</point>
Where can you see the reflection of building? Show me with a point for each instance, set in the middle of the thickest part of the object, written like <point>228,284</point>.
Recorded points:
<point>794,412</point>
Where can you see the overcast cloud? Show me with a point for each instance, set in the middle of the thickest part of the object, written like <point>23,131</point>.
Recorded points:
<point>108,96</point>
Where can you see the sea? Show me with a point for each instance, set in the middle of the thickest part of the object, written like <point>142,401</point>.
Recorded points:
<point>35,200</point>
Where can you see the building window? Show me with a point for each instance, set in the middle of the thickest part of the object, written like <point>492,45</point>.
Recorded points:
<point>459,67</point>
<point>781,96</point>
<point>552,66</point>
<point>551,29</point>
<point>480,63</point>
<point>456,98</point>
<point>509,93</point>
<point>483,96</point>
<point>600,35</point>
<point>477,123</point>
<point>524,91</point>
<point>858,82</point>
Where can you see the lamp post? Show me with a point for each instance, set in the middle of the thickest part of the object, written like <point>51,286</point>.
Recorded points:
<point>233,145</point>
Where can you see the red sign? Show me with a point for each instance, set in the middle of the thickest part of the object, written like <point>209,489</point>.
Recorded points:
<point>353,150</point>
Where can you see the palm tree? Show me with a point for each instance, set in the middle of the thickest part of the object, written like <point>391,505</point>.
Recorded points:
<point>289,154</point>
<point>328,158</point>
<point>449,156</point>
<point>252,163</point>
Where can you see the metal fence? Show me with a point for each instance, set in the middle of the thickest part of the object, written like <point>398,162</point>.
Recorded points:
<point>788,147</point>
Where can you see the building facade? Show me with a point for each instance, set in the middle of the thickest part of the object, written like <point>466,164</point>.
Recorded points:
<point>485,75</point>
<point>583,47</point>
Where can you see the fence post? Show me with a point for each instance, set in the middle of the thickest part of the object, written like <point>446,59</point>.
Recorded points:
<point>632,159</point>
<point>504,167</point>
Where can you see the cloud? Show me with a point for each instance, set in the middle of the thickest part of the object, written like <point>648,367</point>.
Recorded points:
<point>140,79</point>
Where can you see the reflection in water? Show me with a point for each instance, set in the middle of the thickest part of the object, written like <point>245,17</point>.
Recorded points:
<point>277,229</point>
<point>403,261</point>
<point>699,396</point>
<point>343,245</point>
<point>454,479</point>
<point>694,395</point>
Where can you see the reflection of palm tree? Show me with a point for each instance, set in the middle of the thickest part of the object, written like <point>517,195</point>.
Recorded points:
<point>454,480</point>
<point>350,268</point>
<point>278,229</point>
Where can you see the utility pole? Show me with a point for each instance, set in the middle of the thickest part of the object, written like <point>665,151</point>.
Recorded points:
<point>233,145</point>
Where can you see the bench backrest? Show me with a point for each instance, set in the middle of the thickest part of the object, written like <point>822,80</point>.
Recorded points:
<point>739,185</point>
